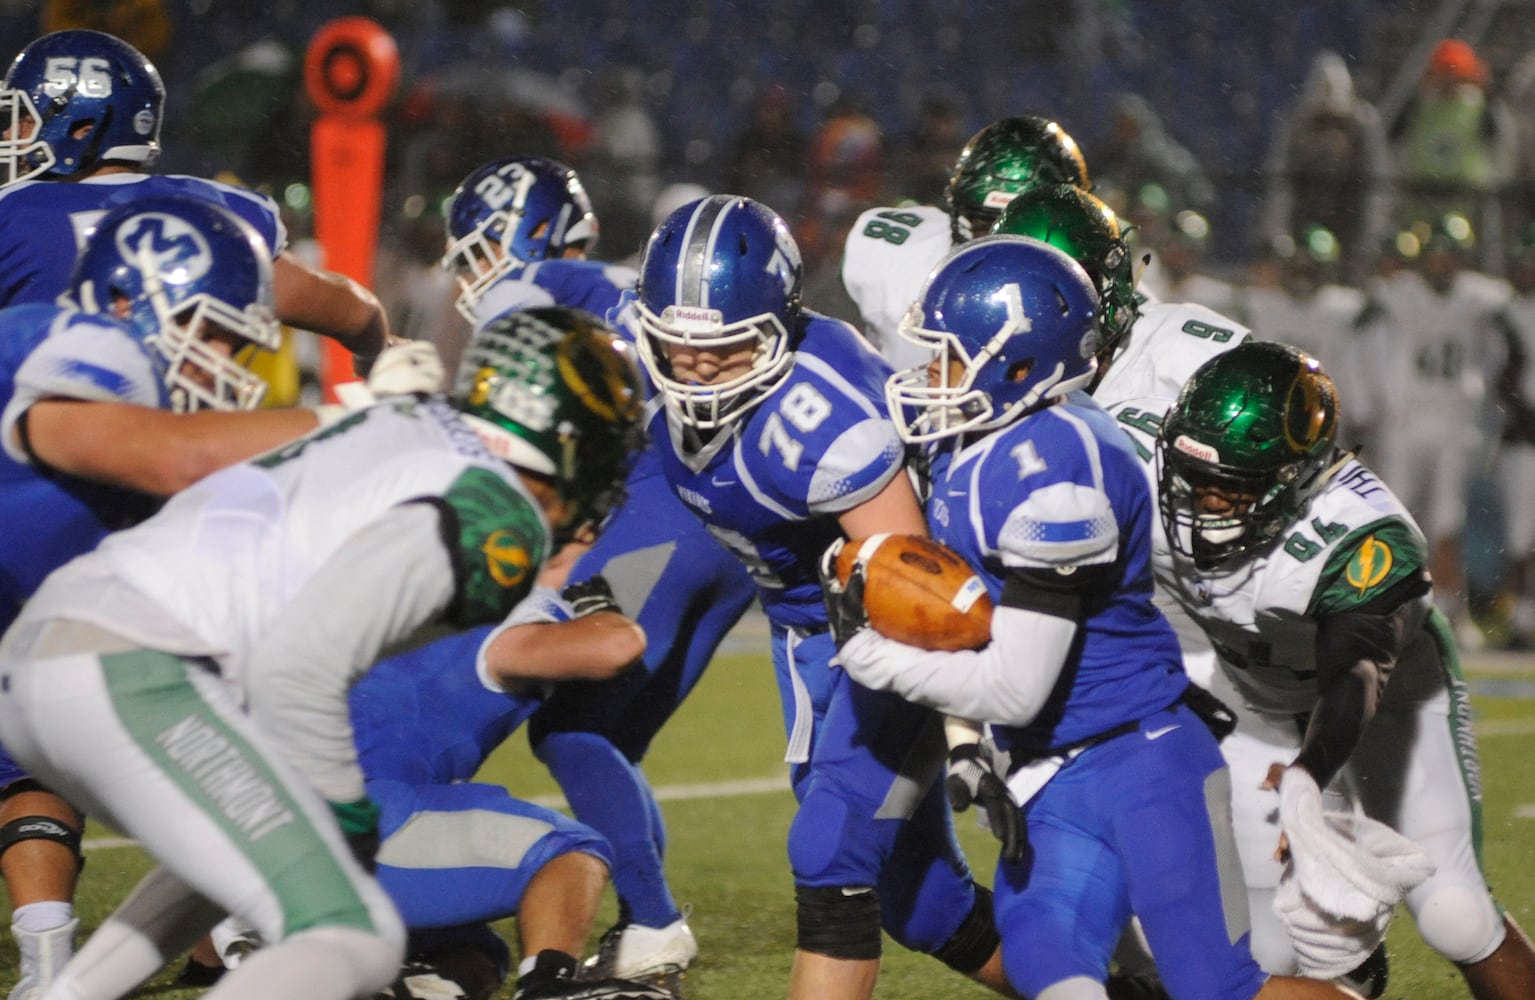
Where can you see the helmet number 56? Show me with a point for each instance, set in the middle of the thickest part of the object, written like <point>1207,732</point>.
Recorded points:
<point>90,77</point>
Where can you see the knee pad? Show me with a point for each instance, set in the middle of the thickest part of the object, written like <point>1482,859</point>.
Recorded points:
<point>1460,923</point>
<point>41,828</point>
<point>974,942</point>
<point>838,921</point>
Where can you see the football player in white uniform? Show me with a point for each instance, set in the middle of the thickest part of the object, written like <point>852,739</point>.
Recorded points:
<point>1309,577</point>
<point>1149,347</point>
<point>146,681</point>
<point>1426,329</point>
<point>1308,308</point>
<point>1514,339</point>
<point>889,251</point>
<point>115,396</point>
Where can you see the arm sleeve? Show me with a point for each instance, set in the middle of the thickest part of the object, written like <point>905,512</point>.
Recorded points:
<point>1007,681</point>
<point>1355,654</point>
<point>386,581</point>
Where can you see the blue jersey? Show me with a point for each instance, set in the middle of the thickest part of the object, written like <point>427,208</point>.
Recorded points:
<point>46,519</point>
<point>575,284</point>
<point>43,224</point>
<point>1039,494</point>
<point>770,486</point>
<point>425,717</point>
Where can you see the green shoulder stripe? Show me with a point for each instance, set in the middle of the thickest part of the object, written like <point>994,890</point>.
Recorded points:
<point>1367,562</point>
<point>497,543</point>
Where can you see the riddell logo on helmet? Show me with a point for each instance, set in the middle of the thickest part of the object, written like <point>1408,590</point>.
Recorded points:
<point>692,318</point>
<point>1203,452</point>
<point>999,199</point>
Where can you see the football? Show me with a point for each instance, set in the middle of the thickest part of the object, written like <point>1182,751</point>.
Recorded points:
<point>919,591</point>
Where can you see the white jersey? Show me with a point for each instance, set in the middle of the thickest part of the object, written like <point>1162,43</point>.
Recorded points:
<point>1353,543</point>
<point>210,573</point>
<point>1513,329</point>
<point>1431,349</point>
<point>888,255</point>
<point>1319,324</point>
<point>1167,344</point>
<point>1322,325</point>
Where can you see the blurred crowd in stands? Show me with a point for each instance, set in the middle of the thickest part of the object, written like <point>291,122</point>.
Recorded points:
<point>1330,172</point>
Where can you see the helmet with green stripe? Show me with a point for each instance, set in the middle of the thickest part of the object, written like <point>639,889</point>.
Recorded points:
<point>554,392</point>
<point>1081,224</point>
<point>1004,159</point>
<point>1244,449</point>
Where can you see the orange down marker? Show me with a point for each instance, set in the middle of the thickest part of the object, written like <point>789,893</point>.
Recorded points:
<point>351,70</point>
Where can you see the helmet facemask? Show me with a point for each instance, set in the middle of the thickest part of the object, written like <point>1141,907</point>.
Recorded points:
<point>724,401</point>
<point>198,374</point>
<point>1261,505</point>
<point>21,158</point>
<point>479,259</point>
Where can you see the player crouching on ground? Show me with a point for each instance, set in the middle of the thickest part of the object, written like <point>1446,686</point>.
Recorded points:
<point>147,681</point>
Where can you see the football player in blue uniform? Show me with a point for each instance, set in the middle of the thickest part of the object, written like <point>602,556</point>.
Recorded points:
<point>775,433</point>
<point>519,230</point>
<point>85,108</point>
<point>1123,791</point>
<point>109,402</point>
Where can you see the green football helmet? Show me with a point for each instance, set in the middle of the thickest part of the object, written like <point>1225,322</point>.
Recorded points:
<point>1244,449</point>
<point>554,392</point>
<point>1081,224</point>
<point>1002,160</point>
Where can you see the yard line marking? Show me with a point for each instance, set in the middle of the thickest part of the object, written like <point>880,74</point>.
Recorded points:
<point>665,793</point>
<point>1525,812</point>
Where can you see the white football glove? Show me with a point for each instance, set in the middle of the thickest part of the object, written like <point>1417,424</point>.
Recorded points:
<point>402,369</point>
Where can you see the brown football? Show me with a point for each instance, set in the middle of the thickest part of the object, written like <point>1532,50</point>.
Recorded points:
<point>919,591</point>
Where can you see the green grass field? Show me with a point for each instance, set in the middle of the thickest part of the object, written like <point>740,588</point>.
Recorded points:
<point>718,766</point>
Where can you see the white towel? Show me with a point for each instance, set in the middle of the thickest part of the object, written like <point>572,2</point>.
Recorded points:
<point>1345,875</point>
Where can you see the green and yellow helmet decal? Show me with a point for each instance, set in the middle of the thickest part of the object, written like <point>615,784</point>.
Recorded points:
<point>1083,226</point>
<point>1003,160</point>
<point>1256,424</point>
<point>554,392</point>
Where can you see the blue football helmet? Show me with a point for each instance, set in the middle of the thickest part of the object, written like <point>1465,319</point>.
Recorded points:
<point>719,273</point>
<point>194,281</point>
<point>508,214</point>
<point>93,98</point>
<point>1011,322</point>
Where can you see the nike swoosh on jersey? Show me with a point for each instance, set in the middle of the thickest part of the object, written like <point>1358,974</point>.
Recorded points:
<point>1156,734</point>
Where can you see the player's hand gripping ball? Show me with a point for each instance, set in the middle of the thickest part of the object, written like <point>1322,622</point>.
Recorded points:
<point>917,591</point>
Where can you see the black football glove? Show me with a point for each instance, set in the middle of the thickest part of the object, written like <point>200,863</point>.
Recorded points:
<point>844,603</point>
<point>973,780</point>
<point>589,597</point>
